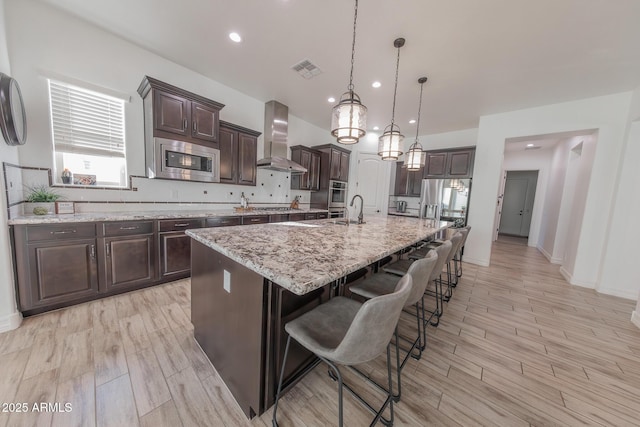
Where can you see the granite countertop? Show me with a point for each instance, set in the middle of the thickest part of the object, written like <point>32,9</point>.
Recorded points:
<point>142,215</point>
<point>303,256</point>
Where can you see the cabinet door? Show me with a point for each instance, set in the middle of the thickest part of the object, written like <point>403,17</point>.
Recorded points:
<point>334,172</point>
<point>171,113</point>
<point>60,272</point>
<point>400,188</point>
<point>247,159</point>
<point>414,182</point>
<point>228,156</point>
<point>175,254</point>
<point>460,164</point>
<point>344,166</point>
<point>305,161</point>
<point>435,165</point>
<point>204,122</point>
<point>314,172</point>
<point>129,261</point>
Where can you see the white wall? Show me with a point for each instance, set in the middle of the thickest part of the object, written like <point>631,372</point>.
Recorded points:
<point>619,274</point>
<point>9,317</point>
<point>607,114</point>
<point>44,40</point>
<point>539,160</point>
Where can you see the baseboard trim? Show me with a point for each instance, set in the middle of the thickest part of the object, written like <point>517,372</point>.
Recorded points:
<point>10,322</point>
<point>622,293</point>
<point>548,256</point>
<point>480,262</point>
<point>571,280</point>
<point>635,318</point>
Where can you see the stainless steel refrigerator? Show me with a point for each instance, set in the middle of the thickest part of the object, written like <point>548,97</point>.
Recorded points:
<point>445,199</point>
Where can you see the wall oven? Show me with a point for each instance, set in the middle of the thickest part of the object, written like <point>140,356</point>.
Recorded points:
<point>182,160</point>
<point>337,194</point>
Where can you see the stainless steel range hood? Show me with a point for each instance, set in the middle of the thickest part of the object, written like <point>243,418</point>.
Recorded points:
<point>276,127</point>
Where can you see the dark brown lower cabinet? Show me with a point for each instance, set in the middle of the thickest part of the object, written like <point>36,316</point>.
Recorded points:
<point>60,272</point>
<point>129,261</point>
<point>175,253</point>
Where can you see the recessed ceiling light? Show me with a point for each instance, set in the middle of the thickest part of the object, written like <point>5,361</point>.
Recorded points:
<point>235,37</point>
<point>331,99</point>
<point>412,121</point>
<point>376,128</point>
<point>376,84</point>
<point>529,145</point>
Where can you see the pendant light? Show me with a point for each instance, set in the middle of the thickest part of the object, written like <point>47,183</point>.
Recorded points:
<point>416,155</point>
<point>391,140</point>
<point>349,116</point>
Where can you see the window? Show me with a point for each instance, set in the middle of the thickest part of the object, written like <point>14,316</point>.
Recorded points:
<point>88,136</point>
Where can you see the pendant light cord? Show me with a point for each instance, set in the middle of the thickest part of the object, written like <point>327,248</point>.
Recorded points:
<point>419,112</point>
<point>395,90</point>
<point>353,47</point>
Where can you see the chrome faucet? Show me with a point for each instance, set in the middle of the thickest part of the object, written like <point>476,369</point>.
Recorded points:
<point>360,216</point>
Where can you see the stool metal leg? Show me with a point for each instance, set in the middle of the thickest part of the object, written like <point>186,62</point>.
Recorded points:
<point>274,421</point>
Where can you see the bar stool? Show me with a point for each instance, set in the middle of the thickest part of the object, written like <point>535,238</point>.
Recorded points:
<point>401,267</point>
<point>457,260</point>
<point>452,279</point>
<point>345,332</point>
<point>383,284</point>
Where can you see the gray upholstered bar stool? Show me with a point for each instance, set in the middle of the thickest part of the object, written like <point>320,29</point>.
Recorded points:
<point>457,259</point>
<point>401,267</point>
<point>346,332</point>
<point>382,284</point>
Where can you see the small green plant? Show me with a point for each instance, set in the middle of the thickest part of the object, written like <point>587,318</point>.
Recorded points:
<point>41,193</point>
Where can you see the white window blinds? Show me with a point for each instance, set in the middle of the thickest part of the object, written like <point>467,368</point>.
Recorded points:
<point>86,122</point>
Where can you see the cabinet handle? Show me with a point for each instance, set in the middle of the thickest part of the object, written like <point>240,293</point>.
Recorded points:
<point>184,123</point>
<point>92,251</point>
<point>256,219</point>
<point>135,227</point>
<point>181,224</point>
<point>63,232</point>
<point>195,127</point>
<point>108,249</point>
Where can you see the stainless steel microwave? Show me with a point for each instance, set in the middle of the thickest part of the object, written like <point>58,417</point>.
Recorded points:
<point>182,160</point>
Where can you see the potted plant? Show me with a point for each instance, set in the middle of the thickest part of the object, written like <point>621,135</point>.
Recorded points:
<point>40,200</point>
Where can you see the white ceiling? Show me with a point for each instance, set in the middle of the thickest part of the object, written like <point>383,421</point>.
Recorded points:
<point>481,57</point>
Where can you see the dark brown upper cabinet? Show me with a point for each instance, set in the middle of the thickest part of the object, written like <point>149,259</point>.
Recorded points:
<point>174,113</point>
<point>449,164</point>
<point>334,162</point>
<point>238,154</point>
<point>310,159</point>
<point>408,183</point>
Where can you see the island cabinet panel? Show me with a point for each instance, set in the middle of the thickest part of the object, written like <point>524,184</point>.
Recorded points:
<point>238,154</point>
<point>56,265</point>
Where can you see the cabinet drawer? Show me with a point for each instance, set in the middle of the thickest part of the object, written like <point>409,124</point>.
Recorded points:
<point>223,221</point>
<point>296,217</point>
<point>311,216</point>
<point>125,228</point>
<point>258,219</point>
<point>323,215</point>
<point>179,224</point>
<point>60,231</point>
<point>278,217</point>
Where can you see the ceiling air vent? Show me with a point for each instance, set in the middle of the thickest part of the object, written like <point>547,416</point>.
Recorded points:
<point>306,69</point>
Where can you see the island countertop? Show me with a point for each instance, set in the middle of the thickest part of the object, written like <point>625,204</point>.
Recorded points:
<point>303,256</point>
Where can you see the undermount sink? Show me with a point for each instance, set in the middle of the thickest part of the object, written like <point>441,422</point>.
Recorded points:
<point>344,222</point>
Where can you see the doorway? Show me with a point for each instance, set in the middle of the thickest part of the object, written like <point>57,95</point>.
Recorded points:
<point>372,182</point>
<point>517,203</point>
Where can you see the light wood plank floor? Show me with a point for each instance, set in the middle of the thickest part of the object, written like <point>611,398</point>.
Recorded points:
<point>516,346</point>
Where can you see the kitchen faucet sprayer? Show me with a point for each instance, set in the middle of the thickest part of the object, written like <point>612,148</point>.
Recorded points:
<point>360,216</point>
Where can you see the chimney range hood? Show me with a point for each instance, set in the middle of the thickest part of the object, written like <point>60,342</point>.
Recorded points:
<point>276,126</point>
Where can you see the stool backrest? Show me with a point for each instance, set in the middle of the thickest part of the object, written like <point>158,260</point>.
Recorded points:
<point>443,252</point>
<point>373,326</point>
<point>464,239</point>
<point>455,243</point>
<point>420,272</point>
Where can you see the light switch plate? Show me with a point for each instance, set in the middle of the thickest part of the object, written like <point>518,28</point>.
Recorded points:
<point>227,281</point>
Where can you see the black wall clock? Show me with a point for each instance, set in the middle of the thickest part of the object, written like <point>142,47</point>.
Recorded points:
<point>13,121</point>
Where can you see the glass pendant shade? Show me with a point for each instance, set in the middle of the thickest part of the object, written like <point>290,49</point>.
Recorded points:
<point>390,142</point>
<point>415,157</point>
<point>349,119</point>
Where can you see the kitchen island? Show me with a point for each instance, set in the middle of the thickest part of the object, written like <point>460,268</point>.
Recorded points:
<point>248,282</point>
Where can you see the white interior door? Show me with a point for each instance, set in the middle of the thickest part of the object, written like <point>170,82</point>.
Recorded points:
<point>515,194</point>
<point>372,182</point>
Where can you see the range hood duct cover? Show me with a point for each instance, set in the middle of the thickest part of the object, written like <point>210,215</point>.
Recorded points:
<point>276,128</point>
